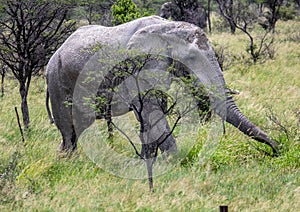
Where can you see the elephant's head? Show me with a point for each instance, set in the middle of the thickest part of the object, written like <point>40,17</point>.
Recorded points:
<point>188,45</point>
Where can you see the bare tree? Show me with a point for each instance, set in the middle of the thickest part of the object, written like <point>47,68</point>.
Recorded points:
<point>242,16</point>
<point>30,32</point>
<point>235,10</point>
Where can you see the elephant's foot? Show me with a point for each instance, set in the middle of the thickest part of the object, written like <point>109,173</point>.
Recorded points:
<point>168,149</point>
<point>64,150</point>
<point>169,146</point>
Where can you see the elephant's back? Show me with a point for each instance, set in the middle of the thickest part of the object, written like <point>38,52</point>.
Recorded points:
<point>118,35</point>
<point>79,47</point>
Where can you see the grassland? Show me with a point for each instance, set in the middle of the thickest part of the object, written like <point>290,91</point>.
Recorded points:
<point>238,174</point>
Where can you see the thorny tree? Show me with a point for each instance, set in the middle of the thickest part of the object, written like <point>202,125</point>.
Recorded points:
<point>30,32</point>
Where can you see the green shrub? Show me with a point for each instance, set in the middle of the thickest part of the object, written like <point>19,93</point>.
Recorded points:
<point>124,11</point>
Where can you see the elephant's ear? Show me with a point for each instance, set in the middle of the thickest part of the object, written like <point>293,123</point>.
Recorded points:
<point>185,43</point>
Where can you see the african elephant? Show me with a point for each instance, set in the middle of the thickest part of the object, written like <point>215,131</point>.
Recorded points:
<point>67,64</point>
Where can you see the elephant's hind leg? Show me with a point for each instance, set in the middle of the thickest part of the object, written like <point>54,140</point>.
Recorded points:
<point>67,130</point>
<point>62,113</point>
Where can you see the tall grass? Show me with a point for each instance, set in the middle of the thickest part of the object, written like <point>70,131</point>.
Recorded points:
<point>238,174</point>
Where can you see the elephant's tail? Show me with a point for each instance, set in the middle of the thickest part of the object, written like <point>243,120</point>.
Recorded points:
<point>47,107</point>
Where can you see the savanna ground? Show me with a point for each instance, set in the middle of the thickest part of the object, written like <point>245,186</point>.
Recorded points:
<point>239,174</point>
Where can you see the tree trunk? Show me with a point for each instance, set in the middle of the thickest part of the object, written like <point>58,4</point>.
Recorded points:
<point>90,17</point>
<point>208,15</point>
<point>231,15</point>
<point>226,10</point>
<point>24,106</point>
<point>232,26</point>
<point>2,83</point>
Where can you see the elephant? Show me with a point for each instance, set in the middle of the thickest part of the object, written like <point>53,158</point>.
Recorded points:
<point>66,67</point>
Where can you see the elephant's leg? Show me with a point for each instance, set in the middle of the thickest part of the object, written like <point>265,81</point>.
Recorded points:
<point>62,114</point>
<point>69,142</point>
<point>158,111</point>
<point>167,142</point>
<point>71,128</point>
<point>150,151</point>
<point>150,143</point>
<point>154,133</point>
<point>154,128</point>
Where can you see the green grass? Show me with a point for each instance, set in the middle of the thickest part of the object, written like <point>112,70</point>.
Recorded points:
<point>34,178</point>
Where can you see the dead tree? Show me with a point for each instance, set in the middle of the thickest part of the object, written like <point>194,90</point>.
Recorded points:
<point>274,6</point>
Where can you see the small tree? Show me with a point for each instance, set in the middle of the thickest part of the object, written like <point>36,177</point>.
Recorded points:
<point>30,32</point>
<point>158,109</point>
<point>243,16</point>
<point>124,11</point>
<point>161,100</point>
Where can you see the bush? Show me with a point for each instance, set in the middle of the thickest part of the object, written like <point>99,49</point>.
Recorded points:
<point>124,11</point>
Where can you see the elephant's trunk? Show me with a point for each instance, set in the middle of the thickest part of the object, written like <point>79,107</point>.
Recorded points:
<point>237,119</point>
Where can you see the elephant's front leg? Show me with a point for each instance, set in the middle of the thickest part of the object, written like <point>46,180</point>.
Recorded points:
<point>154,131</point>
<point>154,128</point>
<point>150,153</point>
<point>149,142</point>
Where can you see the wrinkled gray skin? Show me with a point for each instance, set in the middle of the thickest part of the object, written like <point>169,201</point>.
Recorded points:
<point>67,63</point>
